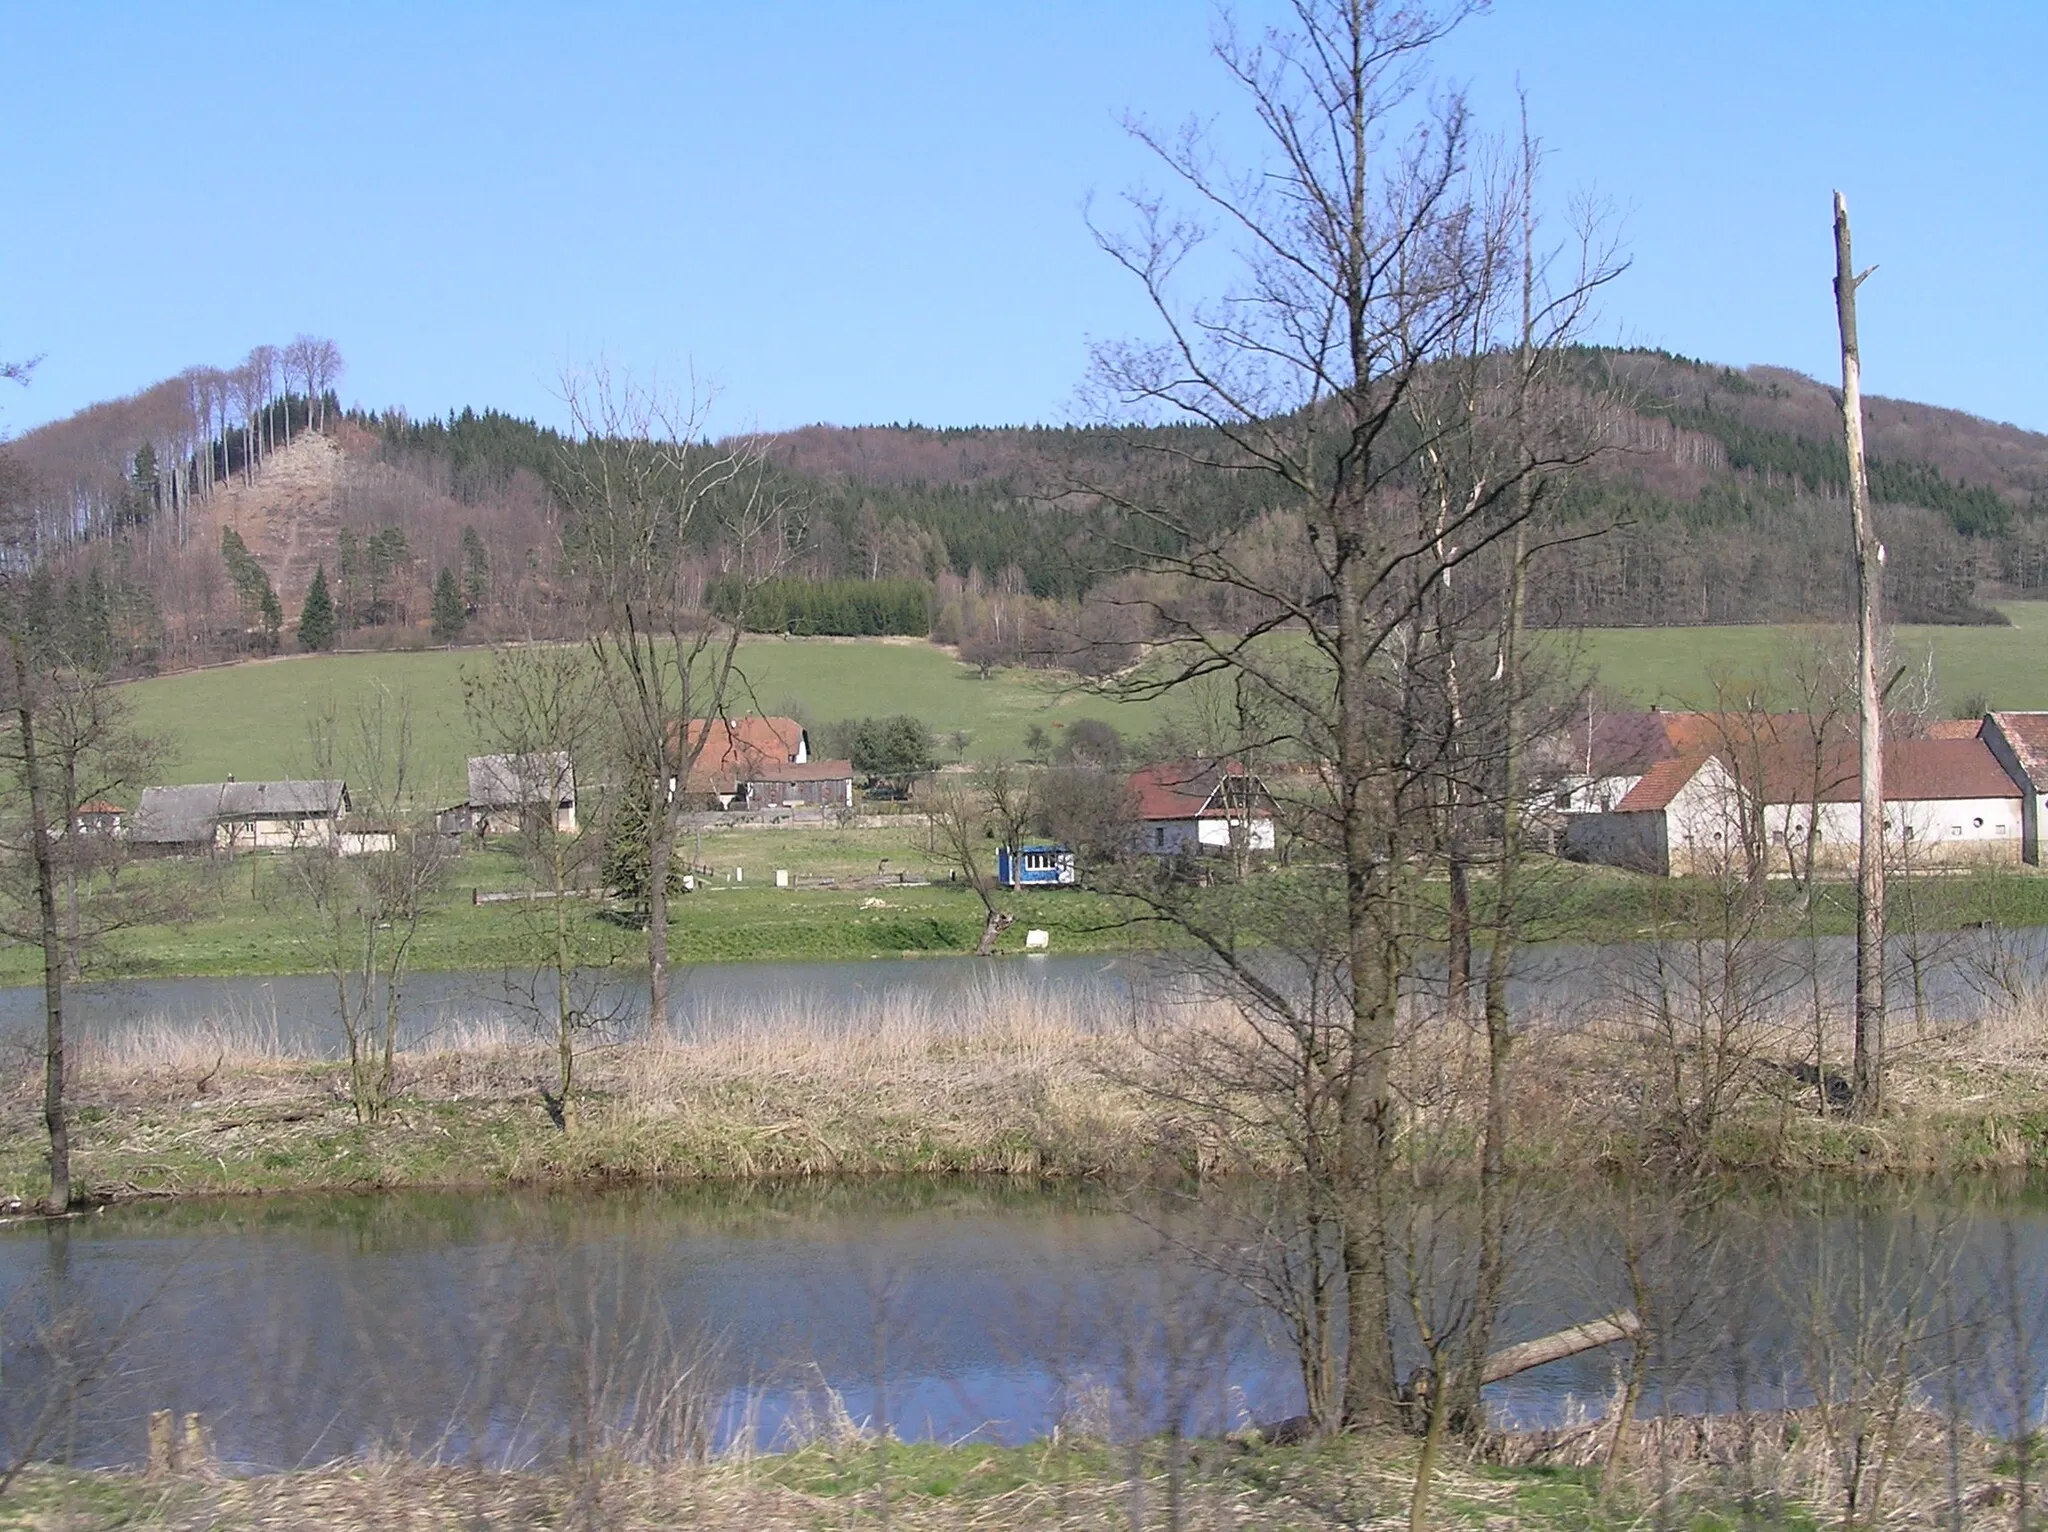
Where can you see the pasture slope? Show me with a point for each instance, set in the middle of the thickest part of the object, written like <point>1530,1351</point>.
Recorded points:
<point>251,719</point>
<point>1679,667</point>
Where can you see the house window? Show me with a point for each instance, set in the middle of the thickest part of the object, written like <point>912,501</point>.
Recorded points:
<point>1977,824</point>
<point>1159,837</point>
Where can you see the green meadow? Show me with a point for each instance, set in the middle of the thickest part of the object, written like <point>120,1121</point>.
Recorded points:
<point>251,720</point>
<point>1683,667</point>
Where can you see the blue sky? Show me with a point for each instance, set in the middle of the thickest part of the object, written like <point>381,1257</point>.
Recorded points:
<point>873,211</point>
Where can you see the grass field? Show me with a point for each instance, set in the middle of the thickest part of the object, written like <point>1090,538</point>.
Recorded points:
<point>1679,667</point>
<point>251,720</point>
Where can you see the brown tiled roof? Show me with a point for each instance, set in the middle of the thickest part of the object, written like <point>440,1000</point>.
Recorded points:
<point>1915,770</point>
<point>736,749</point>
<point>1954,728</point>
<point>1182,789</point>
<point>1660,784</point>
<point>2028,735</point>
<point>1943,768</point>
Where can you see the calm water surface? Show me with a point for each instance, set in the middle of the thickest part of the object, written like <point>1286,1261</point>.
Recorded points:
<point>498,1325</point>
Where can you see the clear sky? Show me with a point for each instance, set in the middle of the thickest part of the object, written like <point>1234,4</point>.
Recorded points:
<point>872,211</point>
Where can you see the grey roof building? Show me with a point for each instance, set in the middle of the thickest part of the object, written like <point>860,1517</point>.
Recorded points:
<point>504,787</point>
<point>238,815</point>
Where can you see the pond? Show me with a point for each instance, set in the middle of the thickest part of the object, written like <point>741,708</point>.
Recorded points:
<point>1553,983</point>
<point>497,1326</point>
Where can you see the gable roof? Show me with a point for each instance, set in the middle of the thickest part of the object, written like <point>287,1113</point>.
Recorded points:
<point>2027,733</point>
<point>1176,790</point>
<point>188,815</point>
<point>1915,771</point>
<point>1954,728</point>
<point>735,749</point>
<point>512,781</point>
<point>1660,784</point>
<point>176,816</point>
<point>254,800</point>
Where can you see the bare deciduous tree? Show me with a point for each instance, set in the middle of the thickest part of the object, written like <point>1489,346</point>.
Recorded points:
<point>653,513</point>
<point>1380,369</point>
<point>539,710</point>
<point>367,888</point>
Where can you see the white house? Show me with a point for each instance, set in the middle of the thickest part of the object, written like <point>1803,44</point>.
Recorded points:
<point>505,789</point>
<point>1202,807</point>
<point>238,816</point>
<point>1946,800</point>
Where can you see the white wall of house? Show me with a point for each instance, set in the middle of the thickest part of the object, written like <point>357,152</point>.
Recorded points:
<point>1941,828</point>
<point>1170,837</point>
<point>287,834</point>
<point>1593,795</point>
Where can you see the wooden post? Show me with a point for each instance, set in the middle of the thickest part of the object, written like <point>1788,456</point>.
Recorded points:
<point>163,1444</point>
<point>1867,1081</point>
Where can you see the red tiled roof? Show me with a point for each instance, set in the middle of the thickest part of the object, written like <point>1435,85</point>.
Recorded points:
<point>2028,735</point>
<point>1954,728</point>
<point>736,750</point>
<point>1915,770</point>
<point>1660,784</point>
<point>1181,789</point>
<point>101,806</point>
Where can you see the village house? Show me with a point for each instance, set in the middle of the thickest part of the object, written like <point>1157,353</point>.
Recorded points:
<point>1199,807</point>
<point>1779,805</point>
<point>763,762</point>
<point>505,791</point>
<point>236,816</point>
<point>100,817</point>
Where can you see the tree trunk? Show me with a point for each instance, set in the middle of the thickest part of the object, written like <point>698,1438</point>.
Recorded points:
<point>1868,1084</point>
<point>53,942</point>
<point>660,851</point>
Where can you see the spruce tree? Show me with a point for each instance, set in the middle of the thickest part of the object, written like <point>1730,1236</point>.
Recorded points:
<point>316,617</point>
<point>449,616</point>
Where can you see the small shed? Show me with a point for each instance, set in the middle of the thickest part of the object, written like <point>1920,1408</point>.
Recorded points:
<point>1039,864</point>
<point>808,784</point>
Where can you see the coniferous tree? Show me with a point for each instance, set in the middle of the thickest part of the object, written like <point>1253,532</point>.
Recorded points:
<point>271,610</point>
<point>476,571</point>
<point>449,616</point>
<point>316,617</point>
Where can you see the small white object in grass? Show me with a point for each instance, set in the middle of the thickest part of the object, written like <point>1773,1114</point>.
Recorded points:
<point>1037,941</point>
<point>782,877</point>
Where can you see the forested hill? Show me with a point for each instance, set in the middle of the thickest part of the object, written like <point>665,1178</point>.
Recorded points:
<point>1721,501</point>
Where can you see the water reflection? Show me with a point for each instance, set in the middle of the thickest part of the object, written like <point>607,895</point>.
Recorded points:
<point>503,1326</point>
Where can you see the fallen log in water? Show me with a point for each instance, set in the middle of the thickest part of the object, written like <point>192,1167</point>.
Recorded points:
<point>1499,1366</point>
<point>1559,1344</point>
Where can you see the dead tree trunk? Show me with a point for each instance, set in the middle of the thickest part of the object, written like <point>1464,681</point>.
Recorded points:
<point>1868,1082</point>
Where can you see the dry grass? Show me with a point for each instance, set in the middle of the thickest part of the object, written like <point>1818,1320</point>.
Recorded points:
<point>1685,1472</point>
<point>1008,1081</point>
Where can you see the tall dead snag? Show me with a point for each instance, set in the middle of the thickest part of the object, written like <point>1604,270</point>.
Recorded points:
<point>1868,1081</point>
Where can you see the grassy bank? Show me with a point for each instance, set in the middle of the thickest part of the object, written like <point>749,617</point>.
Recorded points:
<point>1007,1082</point>
<point>1686,1473</point>
<point>248,916</point>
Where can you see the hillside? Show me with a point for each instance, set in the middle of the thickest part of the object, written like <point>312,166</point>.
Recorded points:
<point>1719,501</point>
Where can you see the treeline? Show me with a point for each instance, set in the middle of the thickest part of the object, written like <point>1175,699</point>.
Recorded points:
<point>845,608</point>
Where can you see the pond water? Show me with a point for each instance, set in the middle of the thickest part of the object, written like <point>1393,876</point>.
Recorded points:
<point>1553,983</point>
<point>501,1326</point>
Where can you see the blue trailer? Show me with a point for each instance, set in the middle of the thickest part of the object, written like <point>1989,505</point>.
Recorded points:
<point>1039,865</point>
